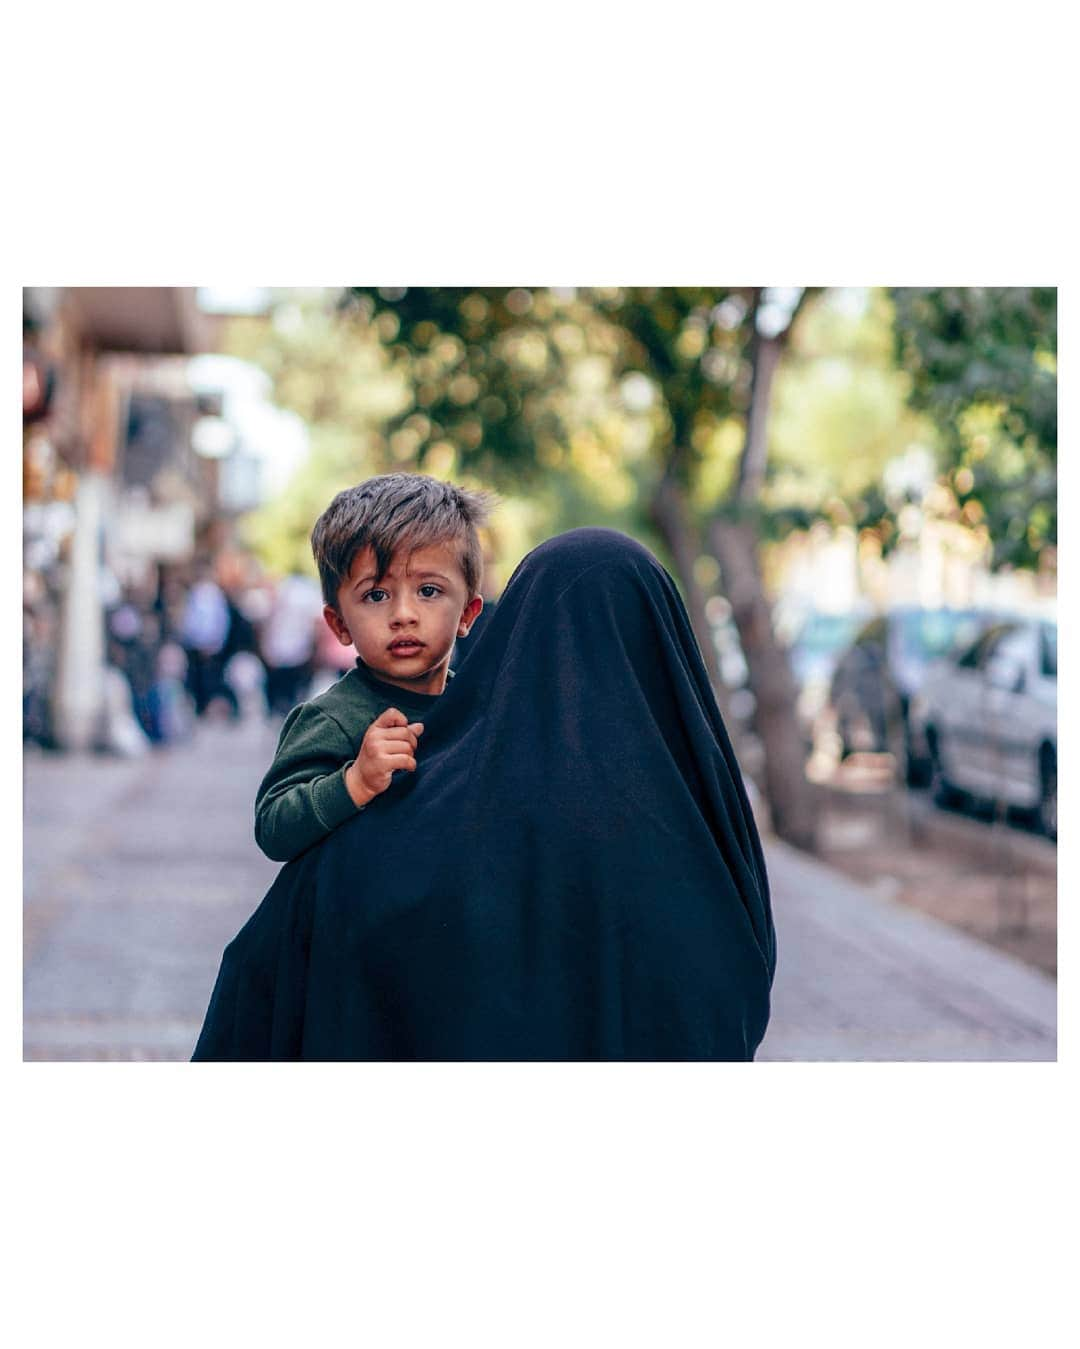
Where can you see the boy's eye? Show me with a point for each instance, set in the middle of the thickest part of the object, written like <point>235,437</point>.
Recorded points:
<point>375,594</point>
<point>430,591</point>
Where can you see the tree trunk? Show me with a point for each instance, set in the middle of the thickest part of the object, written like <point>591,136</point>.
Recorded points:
<point>669,513</point>
<point>765,357</point>
<point>792,799</point>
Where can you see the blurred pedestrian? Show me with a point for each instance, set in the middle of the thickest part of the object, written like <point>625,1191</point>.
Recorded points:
<point>242,666</point>
<point>125,716</point>
<point>287,642</point>
<point>204,631</point>
<point>133,638</point>
<point>121,732</point>
<point>171,705</point>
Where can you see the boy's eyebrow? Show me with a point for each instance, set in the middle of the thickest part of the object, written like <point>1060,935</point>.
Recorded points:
<point>419,575</point>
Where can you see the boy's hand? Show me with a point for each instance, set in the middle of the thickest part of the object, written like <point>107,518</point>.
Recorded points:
<point>389,744</point>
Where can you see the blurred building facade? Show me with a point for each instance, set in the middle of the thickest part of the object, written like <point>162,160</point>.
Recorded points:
<point>126,479</point>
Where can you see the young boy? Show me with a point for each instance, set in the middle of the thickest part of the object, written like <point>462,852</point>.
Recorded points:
<point>400,564</point>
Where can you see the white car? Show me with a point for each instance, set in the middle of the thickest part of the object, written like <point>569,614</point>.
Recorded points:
<point>988,719</point>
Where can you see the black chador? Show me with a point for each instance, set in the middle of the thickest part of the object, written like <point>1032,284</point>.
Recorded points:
<point>572,872</point>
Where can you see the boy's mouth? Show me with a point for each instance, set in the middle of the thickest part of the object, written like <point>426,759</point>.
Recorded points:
<point>405,646</point>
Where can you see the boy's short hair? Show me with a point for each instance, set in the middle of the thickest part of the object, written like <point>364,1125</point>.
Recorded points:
<point>393,511</point>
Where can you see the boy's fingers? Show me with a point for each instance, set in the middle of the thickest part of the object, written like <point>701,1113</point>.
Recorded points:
<point>417,727</point>
<point>397,736</point>
<point>391,717</point>
<point>396,761</point>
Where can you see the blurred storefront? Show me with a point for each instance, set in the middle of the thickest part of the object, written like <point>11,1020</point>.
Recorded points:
<point>123,472</point>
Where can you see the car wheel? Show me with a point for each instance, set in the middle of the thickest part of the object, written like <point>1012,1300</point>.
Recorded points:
<point>1048,800</point>
<point>941,789</point>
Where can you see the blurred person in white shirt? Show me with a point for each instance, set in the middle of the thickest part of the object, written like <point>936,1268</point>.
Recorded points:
<point>287,642</point>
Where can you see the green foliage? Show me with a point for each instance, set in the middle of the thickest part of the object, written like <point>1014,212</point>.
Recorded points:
<point>519,389</point>
<point>573,403</point>
<point>510,376</point>
<point>839,413</point>
<point>497,380</point>
<point>337,377</point>
<point>692,343</point>
<point>840,418</point>
<point>581,398</point>
<point>511,389</point>
<point>983,365</point>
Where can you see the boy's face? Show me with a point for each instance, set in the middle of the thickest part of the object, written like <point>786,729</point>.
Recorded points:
<point>404,623</point>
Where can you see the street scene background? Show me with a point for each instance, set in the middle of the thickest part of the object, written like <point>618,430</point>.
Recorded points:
<point>855,490</point>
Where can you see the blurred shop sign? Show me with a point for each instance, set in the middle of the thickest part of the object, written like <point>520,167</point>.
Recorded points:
<point>165,532</point>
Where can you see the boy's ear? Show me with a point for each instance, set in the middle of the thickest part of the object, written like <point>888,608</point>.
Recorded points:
<point>468,615</point>
<point>336,624</point>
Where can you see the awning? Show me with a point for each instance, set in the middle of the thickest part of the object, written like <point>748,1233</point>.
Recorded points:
<point>164,319</point>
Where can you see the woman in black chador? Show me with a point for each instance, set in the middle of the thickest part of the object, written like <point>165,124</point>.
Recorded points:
<point>572,872</point>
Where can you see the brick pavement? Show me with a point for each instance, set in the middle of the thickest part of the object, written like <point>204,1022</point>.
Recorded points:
<point>137,873</point>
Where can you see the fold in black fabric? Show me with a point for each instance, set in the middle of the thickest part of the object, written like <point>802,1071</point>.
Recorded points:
<point>572,872</point>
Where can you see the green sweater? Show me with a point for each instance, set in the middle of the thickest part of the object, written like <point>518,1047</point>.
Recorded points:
<point>303,795</point>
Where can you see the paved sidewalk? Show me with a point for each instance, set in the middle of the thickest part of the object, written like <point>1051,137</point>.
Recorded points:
<point>863,977</point>
<point>137,873</point>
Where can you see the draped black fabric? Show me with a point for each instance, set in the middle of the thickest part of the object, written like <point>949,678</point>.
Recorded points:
<point>572,872</point>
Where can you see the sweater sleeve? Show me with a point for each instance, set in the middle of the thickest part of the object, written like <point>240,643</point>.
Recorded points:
<point>303,796</point>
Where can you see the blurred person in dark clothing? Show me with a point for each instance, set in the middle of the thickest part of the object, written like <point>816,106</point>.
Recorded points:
<point>133,639</point>
<point>242,636</point>
<point>204,632</point>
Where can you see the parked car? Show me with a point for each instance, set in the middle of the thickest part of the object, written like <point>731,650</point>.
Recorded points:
<point>883,669</point>
<point>813,652</point>
<point>988,720</point>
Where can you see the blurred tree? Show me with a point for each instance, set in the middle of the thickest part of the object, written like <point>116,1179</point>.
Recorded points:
<point>840,410</point>
<point>983,365</point>
<point>338,378</point>
<point>499,381</point>
<point>712,355</point>
<point>528,391</point>
<point>506,388</point>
